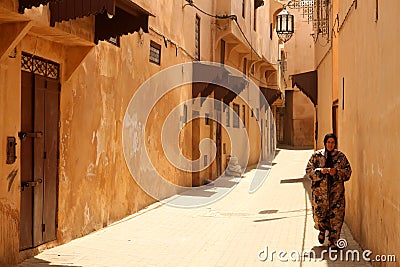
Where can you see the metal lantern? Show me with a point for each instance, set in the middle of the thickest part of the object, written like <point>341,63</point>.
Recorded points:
<point>284,25</point>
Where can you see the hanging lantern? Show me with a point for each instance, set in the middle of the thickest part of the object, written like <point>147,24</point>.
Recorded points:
<point>284,25</point>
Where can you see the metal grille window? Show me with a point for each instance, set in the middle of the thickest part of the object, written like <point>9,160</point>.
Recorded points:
<point>321,17</point>
<point>236,109</point>
<point>40,66</point>
<point>228,117</point>
<point>306,6</point>
<point>197,38</point>
<point>244,115</point>
<point>155,53</point>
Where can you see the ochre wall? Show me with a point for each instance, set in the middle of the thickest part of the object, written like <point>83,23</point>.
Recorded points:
<point>369,125</point>
<point>300,48</point>
<point>324,109</point>
<point>303,120</point>
<point>95,185</point>
<point>10,95</point>
<point>299,109</point>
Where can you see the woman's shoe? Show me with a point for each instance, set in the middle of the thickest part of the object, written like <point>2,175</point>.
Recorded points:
<point>333,246</point>
<point>321,237</point>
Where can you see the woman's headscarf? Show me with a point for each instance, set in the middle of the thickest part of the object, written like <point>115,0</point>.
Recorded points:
<point>329,160</point>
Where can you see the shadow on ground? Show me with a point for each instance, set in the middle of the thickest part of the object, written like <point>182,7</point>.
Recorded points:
<point>34,262</point>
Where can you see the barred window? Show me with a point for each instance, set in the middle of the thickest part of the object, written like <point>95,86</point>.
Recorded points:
<point>155,53</point>
<point>236,109</point>
<point>197,38</point>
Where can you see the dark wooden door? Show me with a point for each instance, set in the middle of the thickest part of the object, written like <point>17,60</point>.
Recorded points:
<point>39,159</point>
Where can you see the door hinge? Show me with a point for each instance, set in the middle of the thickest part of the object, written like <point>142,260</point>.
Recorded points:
<point>44,155</point>
<point>43,227</point>
<point>59,87</point>
<point>45,84</point>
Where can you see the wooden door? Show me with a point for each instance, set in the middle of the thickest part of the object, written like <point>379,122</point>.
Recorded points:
<point>39,158</point>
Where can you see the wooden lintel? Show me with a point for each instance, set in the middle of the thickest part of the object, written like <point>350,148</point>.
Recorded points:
<point>74,55</point>
<point>11,34</point>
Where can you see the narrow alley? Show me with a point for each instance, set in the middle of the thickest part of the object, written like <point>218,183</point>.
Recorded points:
<point>238,230</point>
<point>118,116</point>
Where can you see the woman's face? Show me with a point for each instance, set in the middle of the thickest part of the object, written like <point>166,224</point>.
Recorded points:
<point>330,144</point>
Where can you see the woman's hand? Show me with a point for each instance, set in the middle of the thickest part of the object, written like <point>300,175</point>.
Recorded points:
<point>331,171</point>
<point>325,170</point>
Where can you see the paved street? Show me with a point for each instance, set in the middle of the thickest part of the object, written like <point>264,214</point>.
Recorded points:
<point>228,232</point>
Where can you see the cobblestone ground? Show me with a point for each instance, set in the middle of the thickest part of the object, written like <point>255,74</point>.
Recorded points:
<point>241,229</point>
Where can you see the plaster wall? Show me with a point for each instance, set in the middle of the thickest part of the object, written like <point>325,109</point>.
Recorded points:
<point>10,96</point>
<point>300,48</point>
<point>324,108</point>
<point>258,37</point>
<point>369,128</point>
<point>95,186</point>
<point>299,52</point>
<point>303,120</point>
<point>11,5</point>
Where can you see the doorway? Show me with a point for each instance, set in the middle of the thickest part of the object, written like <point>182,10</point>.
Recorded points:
<point>39,139</point>
<point>218,138</point>
<point>335,106</point>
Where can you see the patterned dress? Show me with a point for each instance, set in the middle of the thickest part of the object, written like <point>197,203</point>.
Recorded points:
<point>328,198</point>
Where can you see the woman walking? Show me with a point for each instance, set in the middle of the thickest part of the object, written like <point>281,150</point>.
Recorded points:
<point>328,169</point>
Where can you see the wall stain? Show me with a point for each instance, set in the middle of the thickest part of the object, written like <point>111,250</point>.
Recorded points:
<point>11,178</point>
<point>9,212</point>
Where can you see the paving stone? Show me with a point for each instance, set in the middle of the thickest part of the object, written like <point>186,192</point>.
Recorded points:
<point>228,232</point>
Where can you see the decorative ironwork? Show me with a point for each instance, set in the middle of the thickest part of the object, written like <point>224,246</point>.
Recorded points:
<point>27,63</point>
<point>307,7</point>
<point>321,18</point>
<point>40,66</point>
<point>315,11</point>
